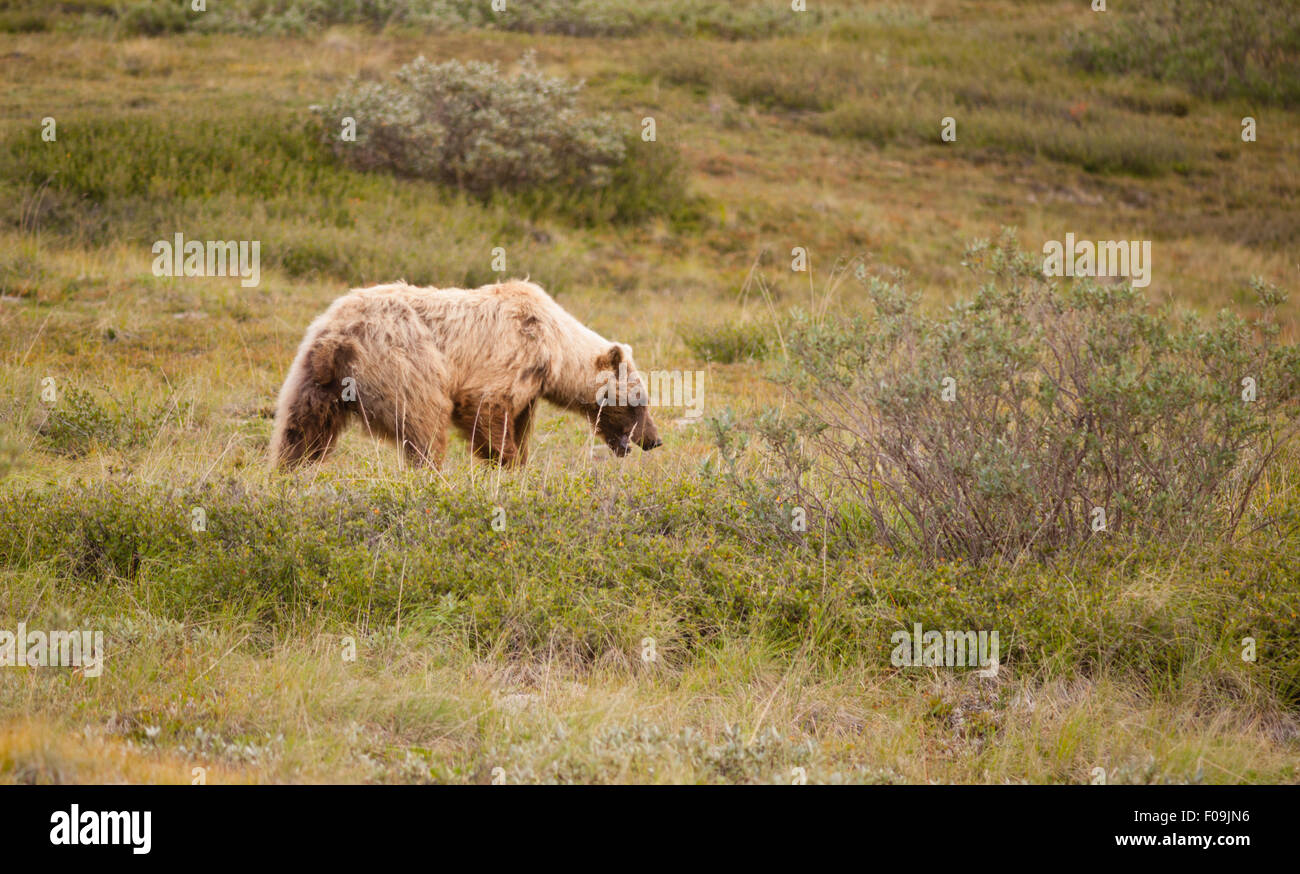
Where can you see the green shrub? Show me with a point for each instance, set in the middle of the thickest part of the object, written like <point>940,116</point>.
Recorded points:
<point>102,158</point>
<point>622,18</point>
<point>157,17</point>
<point>23,22</point>
<point>469,126</point>
<point>1216,48</point>
<point>1114,141</point>
<point>725,19</point>
<point>786,74</point>
<point>473,128</point>
<point>1064,402</point>
<point>79,421</point>
<point>728,343</point>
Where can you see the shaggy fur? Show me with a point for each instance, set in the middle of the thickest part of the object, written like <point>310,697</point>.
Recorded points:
<point>410,362</point>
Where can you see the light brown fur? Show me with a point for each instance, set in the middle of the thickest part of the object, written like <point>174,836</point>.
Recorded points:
<point>423,359</point>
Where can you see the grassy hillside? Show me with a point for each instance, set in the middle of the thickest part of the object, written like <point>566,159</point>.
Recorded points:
<point>526,645</point>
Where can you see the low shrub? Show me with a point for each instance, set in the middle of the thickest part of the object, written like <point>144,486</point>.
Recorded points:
<point>751,19</point>
<point>156,18</point>
<point>728,343</point>
<point>80,421</point>
<point>1216,48</point>
<point>1110,142</point>
<point>588,564</point>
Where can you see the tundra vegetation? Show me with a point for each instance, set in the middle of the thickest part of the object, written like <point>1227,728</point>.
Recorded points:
<point>719,610</point>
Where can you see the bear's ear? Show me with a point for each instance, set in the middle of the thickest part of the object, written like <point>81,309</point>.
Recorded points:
<point>610,359</point>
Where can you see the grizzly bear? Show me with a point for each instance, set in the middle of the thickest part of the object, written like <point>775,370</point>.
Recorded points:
<point>409,362</point>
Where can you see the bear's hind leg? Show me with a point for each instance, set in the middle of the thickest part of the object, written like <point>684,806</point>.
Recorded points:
<point>309,428</point>
<point>418,426</point>
<point>423,440</point>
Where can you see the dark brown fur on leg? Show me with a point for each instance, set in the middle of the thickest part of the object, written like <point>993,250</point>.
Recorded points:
<point>315,413</point>
<point>491,432</point>
<point>524,432</point>
<point>311,427</point>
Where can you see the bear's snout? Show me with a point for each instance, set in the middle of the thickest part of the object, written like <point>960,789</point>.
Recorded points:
<point>649,437</point>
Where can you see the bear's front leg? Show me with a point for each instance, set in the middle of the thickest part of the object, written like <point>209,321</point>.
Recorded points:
<point>490,427</point>
<point>524,432</point>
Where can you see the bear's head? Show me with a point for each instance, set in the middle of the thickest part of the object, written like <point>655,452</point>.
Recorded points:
<point>621,414</point>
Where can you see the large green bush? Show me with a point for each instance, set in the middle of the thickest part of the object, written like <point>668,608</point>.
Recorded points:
<point>471,126</point>
<point>1062,403</point>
